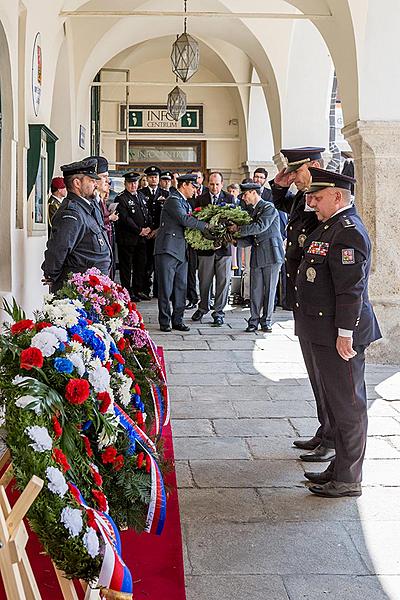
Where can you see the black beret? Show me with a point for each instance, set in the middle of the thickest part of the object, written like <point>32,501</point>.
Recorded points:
<point>322,179</point>
<point>296,157</point>
<point>131,176</point>
<point>102,163</point>
<point>82,167</point>
<point>152,170</point>
<point>188,178</point>
<point>246,187</point>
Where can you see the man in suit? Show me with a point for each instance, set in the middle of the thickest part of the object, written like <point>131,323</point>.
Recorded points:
<point>267,256</point>
<point>155,197</point>
<point>301,222</point>
<point>212,263</point>
<point>202,189</point>
<point>193,262</point>
<point>170,253</point>
<point>260,176</point>
<point>335,320</point>
<point>133,227</point>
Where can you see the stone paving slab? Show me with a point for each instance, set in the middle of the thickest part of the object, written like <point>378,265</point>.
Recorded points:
<point>268,409</point>
<point>206,409</point>
<point>221,587</point>
<point>192,428</point>
<point>252,427</point>
<point>305,427</point>
<point>197,368</point>
<point>223,448</point>
<point>215,505</point>
<point>217,379</point>
<point>246,474</point>
<point>335,587</point>
<point>283,549</point>
<point>273,448</point>
<point>383,557</point>
<point>183,474</point>
<point>381,472</point>
<point>255,368</point>
<point>239,392</point>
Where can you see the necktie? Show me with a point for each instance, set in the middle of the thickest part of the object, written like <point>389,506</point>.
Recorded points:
<point>215,199</point>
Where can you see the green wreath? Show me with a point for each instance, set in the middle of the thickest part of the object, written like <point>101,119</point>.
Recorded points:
<point>220,216</point>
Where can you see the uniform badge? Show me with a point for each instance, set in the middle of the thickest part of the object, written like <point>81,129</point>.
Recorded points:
<point>320,248</point>
<point>348,256</point>
<point>301,239</point>
<point>311,274</point>
<point>101,242</point>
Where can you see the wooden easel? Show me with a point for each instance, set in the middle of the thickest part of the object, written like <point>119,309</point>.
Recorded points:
<point>15,569</point>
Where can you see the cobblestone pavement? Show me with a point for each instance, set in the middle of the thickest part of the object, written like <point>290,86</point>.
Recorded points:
<point>251,530</point>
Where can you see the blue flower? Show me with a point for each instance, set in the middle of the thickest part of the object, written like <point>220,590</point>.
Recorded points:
<point>61,347</point>
<point>120,368</point>
<point>222,203</point>
<point>63,365</point>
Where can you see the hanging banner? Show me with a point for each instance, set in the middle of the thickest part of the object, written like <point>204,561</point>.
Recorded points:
<point>37,69</point>
<point>154,118</point>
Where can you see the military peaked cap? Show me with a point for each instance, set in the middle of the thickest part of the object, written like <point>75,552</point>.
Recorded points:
<point>102,163</point>
<point>322,179</point>
<point>188,178</point>
<point>166,175</point>
<point>247,187</point>
<point>296,157</point>
<point>152,170</point>
<point>131,176</point>
<point>83,167</point>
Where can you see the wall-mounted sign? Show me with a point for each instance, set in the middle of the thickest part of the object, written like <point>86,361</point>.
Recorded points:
<point>167,155</point>
<point>82,137</point>
<point>154,118</point>
<point>37,73</point>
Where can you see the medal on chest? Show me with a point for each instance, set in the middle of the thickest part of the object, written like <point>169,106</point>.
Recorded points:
<point>311,274</point>
<point>301,239</point>
<point>320,248</point>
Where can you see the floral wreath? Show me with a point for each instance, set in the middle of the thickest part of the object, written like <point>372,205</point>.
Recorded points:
<point>220,216</point>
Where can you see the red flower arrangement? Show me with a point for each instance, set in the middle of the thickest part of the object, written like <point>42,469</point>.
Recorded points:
<point>77,391</point>
<point>113,309</point>
<point>91,519</point>
<point>31,357</point>
<point>118,463</point>
<point>61,459</point>
<point>21,326</point>
<point>121,344</point>
<point>74,492</point>
<point>77,338</point>
<point>119,359</point>
<point>148,464</point>
<point>197,210</point>
<point>104,399</point>
<point>94,280</point>
<point>129,373</point>
<point>97,478</point>
<point>87,445</point>
<point>109,455</point>
<point>139,460</point>
<point>100,500</point>
<point>43,325</point>
<point>56,426</point>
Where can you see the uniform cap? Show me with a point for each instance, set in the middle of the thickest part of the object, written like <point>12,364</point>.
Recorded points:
<point>83,167</point>
<point>296,157</point>
<point>247,187</point>
<point>131,176</point>
<point>322,179</point>
<point>152,170</point>
<point>166,175</point>
<point>57,183</point>
<point>102,163</point>
<point>188,178</point>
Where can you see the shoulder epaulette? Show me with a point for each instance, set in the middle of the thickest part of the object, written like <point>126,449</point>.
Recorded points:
<point>347,221</point>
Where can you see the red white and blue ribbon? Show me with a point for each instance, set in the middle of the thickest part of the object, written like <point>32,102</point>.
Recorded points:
<point>155,356</point>
<point>156,513</point>
<point>114,574</point>
<point>158,401</point>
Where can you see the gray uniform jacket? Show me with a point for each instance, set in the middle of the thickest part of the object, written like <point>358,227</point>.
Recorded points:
<point>264,236</point>
<point>78,241</point>
<point>175,216</point>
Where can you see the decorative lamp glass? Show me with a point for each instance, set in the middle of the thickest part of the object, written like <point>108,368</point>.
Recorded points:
<point>176,103</point>
<point>185,56</point>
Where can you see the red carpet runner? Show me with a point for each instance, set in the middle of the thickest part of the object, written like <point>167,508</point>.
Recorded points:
<point>156,562</point>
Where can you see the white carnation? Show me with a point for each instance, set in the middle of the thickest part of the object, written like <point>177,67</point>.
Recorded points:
<point>91,542</point>
<point>48,298</point>
<point>78,363</point>
<point>59,332</point>
<point>115,325</point>
<point>124,389</point>
<point>40,438</point>
<point>63,312</point>
<point>23,401</point>
<point>57,483</point>
<point>71,518</point>
<point>99,378</point>
<point>46,342</point>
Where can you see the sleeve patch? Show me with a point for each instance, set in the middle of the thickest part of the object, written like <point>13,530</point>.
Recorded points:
<point>69,217</point>
<point>348,256</point>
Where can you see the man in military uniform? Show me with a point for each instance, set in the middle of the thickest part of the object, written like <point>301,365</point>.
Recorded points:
<point>58,193</point>
<point>133,227</point>
<point>165,181</point>
<point>170,253</point>
<point>301,222</point>
<point>155,197</point>
<point>335,320</point>
<point>267,255</point>
<point>78,238</point>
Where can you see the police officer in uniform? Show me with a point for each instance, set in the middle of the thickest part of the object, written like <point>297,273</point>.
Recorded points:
<point>334,318</point>
<point>78,238</point>
<point>155,197</point>
<point>133,227</point>
<point>301,222</point>
<point>267,255</point>
<point>171,253</point>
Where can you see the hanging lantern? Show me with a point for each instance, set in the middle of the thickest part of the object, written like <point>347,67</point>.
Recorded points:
<point>176,103</point>
<point>185,54</point>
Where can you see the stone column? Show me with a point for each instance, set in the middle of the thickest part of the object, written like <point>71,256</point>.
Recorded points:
<point>376,150</point>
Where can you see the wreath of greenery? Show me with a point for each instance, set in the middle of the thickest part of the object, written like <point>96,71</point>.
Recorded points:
<point>220,216</point>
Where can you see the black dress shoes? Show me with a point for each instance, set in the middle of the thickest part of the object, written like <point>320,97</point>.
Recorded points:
<point>320,454</point>
<point>266,329</point>
<point>190,305</point>
<point>181,327</point>
<point>336,489</point>
<point>197,316</point>
<point>251,328</point>
<point>310,444</point>
<point>319,478</point>
<point>165,328</point>
<point>218,322</point>
<point>143,296</point>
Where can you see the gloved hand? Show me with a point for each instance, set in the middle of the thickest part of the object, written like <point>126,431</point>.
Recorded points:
<point>207,233</point>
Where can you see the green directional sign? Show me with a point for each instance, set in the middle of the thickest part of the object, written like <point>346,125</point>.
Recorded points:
<point>135,118</point>
<point>190,120</point>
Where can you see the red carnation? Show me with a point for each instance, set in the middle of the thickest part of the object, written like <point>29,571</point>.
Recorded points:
<point>138,391</point>
<point>109,455</point>
<point>21,326</point>
<point>104,399</point>
<point>142,326</point>
<point>106,289</point>
<point>89,321</point>
<point>87,445</point>
<point>109,311</point>
<point>31,357</point>
<point>119,359</point>
<point>74,491</point>
<point>56,426</point>
<point>121,344</point>
<point>148,464</point>
<point>94,280</point>
<point>118,463</point>
<point>97,478</point>
<point>61,459</point>
<point>139,460</point>
<point>77,338</point>
<point>130,374</point>
<point>100,499</point>
<point>43,325</point>
<point>139,418</point>
<point>198,209</point>
<point>131,306</point>
<point>77,391</point>
<point>108,366</point>
<point>91,519</point>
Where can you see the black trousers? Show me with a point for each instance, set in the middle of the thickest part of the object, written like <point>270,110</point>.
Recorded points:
<point>172,277</point>
<point>343,383</point>
<point>191,291</point>
<point>150,268</point>
<point>324,431</point>
<point>132,267</point>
